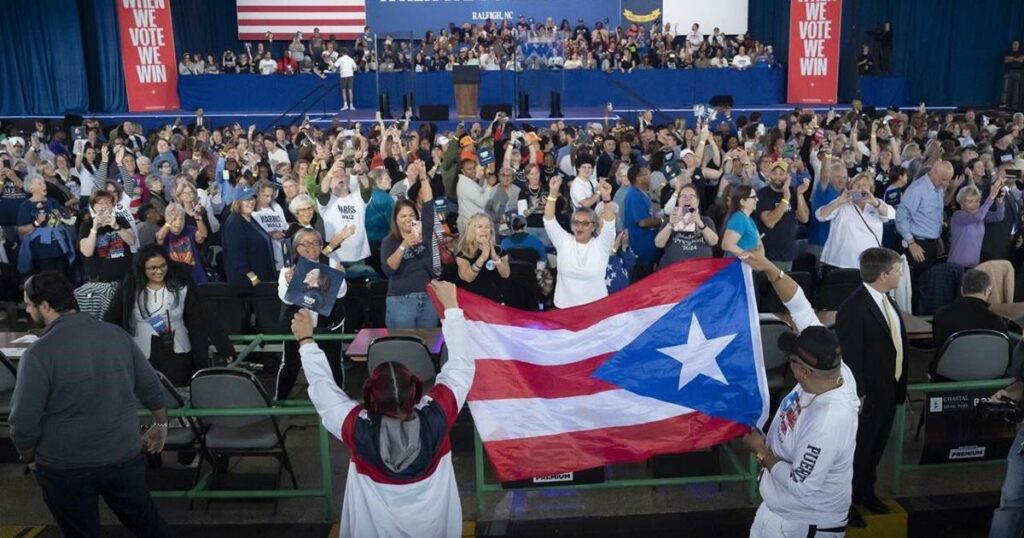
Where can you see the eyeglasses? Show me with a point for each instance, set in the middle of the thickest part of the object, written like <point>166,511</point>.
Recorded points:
<point>311,244</point>
<point>582,223</point>
<point>687,197</point>
<point>156,268</point>
<point>304,209</point>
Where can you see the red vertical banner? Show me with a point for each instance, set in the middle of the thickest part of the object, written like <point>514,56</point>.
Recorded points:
<point>814,51</point>
<point>147,50</point>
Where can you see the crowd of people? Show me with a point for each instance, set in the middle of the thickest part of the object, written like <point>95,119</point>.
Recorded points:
<point>533,216</point>
<point>496,46</point>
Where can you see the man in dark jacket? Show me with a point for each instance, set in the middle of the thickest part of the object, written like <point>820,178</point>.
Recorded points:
<point>73,414</point>
<point>970,311</point>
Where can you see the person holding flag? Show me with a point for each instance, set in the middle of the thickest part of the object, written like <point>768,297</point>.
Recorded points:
<point>400,477</point>
<point>807,456</point>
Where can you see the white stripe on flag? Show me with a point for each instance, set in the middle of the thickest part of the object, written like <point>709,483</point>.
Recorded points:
<point>554,347</point>
<point>498,420</point>
<point>325,30</point>
<point>301,2</point>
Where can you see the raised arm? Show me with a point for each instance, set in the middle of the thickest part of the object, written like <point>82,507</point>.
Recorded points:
<point>457,373</point>
<point>332,404</point>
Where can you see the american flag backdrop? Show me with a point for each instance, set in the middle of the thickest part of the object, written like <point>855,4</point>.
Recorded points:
<point>342,18</point>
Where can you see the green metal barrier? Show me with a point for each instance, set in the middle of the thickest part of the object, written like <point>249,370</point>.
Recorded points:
<point>748,475</point>
<point>289,408</point>
<point>899,429</point>
<point>257,340</point>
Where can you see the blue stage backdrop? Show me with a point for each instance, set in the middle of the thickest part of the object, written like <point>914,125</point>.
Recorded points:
<point>418,16</point>
<point>668,88</point>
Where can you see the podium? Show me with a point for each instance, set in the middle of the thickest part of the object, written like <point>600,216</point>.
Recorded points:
<point>467,89</point>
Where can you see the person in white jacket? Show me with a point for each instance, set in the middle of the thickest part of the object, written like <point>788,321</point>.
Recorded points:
<point>807,455</point>
<point>401,482</point>
<point>473,190</point>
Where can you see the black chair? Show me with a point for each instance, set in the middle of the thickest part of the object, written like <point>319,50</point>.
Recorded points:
<point>187,435</point>
<point>227,309</point>
<point>768,302</point>
<point>522,291</point>
<point>8,379</point>
<point>774,358</point>
<point>266,307</point>
<point>233,388</point>
<point>837,285</point>
<point>974,354</point>
<point>407,350</point>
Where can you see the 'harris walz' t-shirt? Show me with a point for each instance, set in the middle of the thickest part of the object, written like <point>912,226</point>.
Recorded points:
<point>112,258</point>
<point>687,244</point>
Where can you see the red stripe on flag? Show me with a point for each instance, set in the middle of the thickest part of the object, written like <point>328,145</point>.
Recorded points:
<point>257,36</point>
<point>518,459</point>
<point>500,379</point>
<point>666,286</point>
<point>282,8</point>
<point>302,22</point>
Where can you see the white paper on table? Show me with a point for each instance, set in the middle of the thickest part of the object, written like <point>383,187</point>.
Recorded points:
<point>27,339</point>
<point>12,352</point>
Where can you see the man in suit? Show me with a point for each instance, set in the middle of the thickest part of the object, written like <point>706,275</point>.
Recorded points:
<point>874,344</point>
<point>970,311</point>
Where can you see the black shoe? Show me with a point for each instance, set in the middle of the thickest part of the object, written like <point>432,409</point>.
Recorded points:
<point>874,504</point>
<point>855,519</point>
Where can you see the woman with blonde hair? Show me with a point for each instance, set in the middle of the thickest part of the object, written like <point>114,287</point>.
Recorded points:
<point>482,265</point>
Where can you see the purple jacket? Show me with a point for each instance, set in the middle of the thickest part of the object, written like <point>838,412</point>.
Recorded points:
<point>966,231</point>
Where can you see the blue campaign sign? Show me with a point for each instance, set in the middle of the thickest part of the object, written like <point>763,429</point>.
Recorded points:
<point>415,17</point>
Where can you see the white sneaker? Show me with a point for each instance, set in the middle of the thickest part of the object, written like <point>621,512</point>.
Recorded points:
<point>344,107</point>
<point>352,107</point>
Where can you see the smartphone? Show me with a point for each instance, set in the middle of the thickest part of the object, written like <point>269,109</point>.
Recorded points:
<point>347,133</point>
<point>225,175</point>
<point>1014,173</point>
<point>417,228</point>
<point>857,196</point>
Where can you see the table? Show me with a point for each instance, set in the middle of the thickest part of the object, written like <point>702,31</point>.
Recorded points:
<point>360,346</point>
<point>917,328</point>
<point>1010,312</point>
<point>10,349</point>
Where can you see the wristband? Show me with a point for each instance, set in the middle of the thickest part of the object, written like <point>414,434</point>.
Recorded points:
<point>254,279</point>
<point>401,247</point>
<point>785,201</point>
<point>161,425</point>
<point>552,198</point>
<point>304,338</point>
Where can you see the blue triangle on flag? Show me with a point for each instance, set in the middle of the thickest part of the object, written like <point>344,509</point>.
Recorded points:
<point>717,369</point>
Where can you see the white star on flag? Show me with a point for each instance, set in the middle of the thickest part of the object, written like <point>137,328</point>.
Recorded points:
<point>699,355</point>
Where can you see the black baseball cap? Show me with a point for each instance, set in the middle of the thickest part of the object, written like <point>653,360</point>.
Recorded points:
<point>815,346</point>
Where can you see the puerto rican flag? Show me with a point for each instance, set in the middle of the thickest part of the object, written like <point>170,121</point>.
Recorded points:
<point>671,364</point>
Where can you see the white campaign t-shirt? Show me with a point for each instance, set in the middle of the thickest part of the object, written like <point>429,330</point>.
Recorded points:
<point>271,219</point>
<point>346,66</point>
<point>340,212</point>
<point>581,268</point>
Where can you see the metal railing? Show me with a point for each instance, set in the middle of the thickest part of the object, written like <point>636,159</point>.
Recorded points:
<point>290,408</point>
<point>899,430</point>
<point>748,475</point>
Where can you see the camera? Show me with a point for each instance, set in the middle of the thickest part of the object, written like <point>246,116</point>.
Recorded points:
<point>1004,408</point>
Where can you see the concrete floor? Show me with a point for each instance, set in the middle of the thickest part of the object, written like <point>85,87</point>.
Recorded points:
<point>933,493</point>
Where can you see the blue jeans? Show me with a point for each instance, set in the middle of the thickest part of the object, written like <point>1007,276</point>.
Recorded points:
<point>72,495</point>
<point>410,311</point>
<point>1007,520</point>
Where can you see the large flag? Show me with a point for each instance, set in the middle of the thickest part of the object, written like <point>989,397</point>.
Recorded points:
<point>344,19</point>
<point>668,365</point>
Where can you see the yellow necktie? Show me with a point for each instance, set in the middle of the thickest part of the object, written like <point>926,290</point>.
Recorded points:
<point>894,333</point>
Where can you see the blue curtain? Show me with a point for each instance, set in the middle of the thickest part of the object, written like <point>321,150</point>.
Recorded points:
<point>950,51</point>
<point>206,27</point>
<point>101,42</point>
<point>42,68</point>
